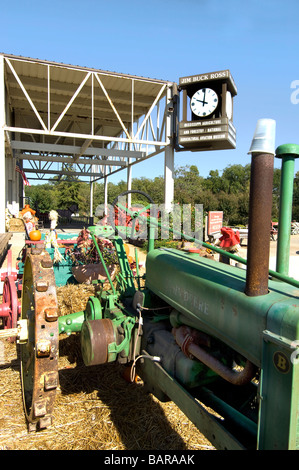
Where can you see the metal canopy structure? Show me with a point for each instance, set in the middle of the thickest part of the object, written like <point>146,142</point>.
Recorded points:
<point>66,120</point>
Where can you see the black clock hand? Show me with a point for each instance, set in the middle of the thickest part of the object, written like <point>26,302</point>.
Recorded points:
<point>202,101</point>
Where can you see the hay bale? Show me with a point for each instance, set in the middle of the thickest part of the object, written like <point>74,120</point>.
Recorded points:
<point>73,297</point>
<point>16,225</point>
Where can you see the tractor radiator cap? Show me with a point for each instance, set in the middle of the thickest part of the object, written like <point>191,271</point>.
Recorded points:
<point>264,137</point>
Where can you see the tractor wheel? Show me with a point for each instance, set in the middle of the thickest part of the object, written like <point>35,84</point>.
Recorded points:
<point>39,354</point>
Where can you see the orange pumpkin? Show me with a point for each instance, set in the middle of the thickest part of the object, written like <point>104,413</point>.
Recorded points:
<point>35,235</point>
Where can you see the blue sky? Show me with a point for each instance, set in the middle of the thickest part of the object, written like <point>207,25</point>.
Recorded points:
<point>257,40</point>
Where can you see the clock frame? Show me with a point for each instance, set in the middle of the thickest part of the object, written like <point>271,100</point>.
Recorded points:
<point>214,129</point>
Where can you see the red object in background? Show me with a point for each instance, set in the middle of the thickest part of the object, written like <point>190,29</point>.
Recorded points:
<point>10,309</point>
<point>215,221</point>
<point>229,237</point>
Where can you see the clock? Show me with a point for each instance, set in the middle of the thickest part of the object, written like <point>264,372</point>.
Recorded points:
<point>229,105</point>
<point>204,102</point>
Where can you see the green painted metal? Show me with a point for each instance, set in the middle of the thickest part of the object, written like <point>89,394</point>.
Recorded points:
<point>288,153</point>
<point>160,380</point>
<point>209,295</point>
<point>125,277</point>
<point>151,233</point>
<point>279,391</point>
<point>126,274</point>
<point>115,311</point>
<point>93,310</point>
<point>71,323</point>
<point>101,258</point>
<point>229,412</point>
<point>232,256</point>
<point>137,268</point>
<point>127,323</point>
<point>189,372</point>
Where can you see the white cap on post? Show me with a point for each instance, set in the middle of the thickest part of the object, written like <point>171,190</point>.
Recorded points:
<point>264,137</point>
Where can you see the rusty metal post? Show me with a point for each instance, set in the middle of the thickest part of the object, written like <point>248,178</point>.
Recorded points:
<point>260,209</point>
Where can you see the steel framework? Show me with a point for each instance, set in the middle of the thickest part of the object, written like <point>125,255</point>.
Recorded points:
<point>59,119</point>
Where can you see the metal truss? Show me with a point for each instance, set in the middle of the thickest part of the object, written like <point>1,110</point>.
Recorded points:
<point>77,122</point>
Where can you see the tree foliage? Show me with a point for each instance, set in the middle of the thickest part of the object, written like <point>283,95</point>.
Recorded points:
<point>227,192</point>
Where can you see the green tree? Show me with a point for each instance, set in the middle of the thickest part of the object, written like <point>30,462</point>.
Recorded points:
<point>236,179</point>
<point>228,192</point>
<point>228,203</point>
<point>68,194</point>
<point>187,184</point>
<point>154,188</point>
<point>41,197</point>
<point>213,182</point>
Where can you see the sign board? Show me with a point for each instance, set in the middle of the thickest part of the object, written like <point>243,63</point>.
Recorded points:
<point>215,221</point>
<point>207,117</point>
<point>209,77</point>
<point>207,133</point>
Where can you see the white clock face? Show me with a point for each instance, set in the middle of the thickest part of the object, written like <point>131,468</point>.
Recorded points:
<point>204,102</point>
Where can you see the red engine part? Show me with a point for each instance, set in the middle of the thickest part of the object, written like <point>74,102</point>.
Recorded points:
<point>11,305</point>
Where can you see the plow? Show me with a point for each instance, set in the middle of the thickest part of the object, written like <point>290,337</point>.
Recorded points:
<point>201,333</point>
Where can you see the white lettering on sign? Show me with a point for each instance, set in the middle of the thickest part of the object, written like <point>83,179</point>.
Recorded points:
<point>186,80</point>
<point>209,123</point>
<point>220,136</point>
<point>203,123</point>
<point>205,77</point>
<point>200,78</point>
<point>214,129</point>
<point>196,131</point>
<point>219,74</point>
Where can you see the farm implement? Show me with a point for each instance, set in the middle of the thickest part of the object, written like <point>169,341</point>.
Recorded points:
<point>218,340</point>
<point>12,277</point>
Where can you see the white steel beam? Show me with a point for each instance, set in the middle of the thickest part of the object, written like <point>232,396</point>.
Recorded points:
<point>112,106</point>
<point>84,136</point>
<point>106,193</point>
<point>64,159</point>
<point>129,185</point>
<point>62,172</point>
<point>169,158</point>
<point>71,101</point>
<point>73,150</point>
<point>109,110</point>
<point>26,94</point>
<point>49,99</point>
<point>149,112</point>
